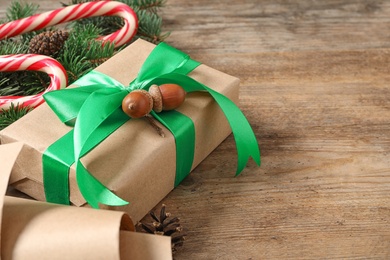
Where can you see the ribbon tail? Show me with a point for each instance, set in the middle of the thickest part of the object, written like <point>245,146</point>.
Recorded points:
<point>246,141</point>
<point>94,191</point>
<point>99,116</point>
<point>56,161</point>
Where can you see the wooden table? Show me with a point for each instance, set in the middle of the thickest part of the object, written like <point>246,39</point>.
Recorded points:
<point>315,87</point>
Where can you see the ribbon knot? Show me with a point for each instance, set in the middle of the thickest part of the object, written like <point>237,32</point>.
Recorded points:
<point>133,86</point>
<point>94,109</point>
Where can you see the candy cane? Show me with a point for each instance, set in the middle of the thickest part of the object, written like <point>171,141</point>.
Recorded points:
<point>33,62</point>
<point>75,12</point>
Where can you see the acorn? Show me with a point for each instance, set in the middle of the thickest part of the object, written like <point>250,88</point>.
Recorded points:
<point>167,96</point>
<point>139,103</point>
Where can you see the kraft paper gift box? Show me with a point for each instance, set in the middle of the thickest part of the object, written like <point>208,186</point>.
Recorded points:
<point>134,162</point>
<point>32,229</point>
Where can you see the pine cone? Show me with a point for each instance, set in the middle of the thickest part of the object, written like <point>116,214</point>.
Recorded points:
<point>48,43</point>
<point>164,225</point>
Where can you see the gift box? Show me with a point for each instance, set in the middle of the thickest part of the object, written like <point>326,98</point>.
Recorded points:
<point>37,230</point>
<point>133,162</point>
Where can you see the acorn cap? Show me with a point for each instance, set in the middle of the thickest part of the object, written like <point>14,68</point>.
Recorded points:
<point>155,92</point>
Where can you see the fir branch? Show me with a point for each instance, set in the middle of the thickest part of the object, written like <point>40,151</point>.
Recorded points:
<point>150,27</point>
<point>8,116</point>
<point>74,63</point>
<point>106,24</point>
<point>96,53</point>
<point>20,83</point>
<point>12,46</point>
<point>81,52</point>
<point>18,10</point>
<point>147,5</point>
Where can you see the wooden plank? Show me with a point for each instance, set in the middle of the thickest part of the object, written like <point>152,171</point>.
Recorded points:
<point>315,89</point>
<point>277,25</point>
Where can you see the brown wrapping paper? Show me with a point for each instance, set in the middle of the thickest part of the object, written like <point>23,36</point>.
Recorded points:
<point>134,162</point>
<point>38,230</point>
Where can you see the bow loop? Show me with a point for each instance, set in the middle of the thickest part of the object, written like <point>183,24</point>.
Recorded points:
<point>67,103</point>
<point>167,60</point>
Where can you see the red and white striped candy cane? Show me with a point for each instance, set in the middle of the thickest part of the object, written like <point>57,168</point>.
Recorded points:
<point>76,12</point>
<point>33,62</point>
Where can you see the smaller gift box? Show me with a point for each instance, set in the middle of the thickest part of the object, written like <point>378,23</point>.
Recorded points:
<point>132,162</point>
<point>37,230</point>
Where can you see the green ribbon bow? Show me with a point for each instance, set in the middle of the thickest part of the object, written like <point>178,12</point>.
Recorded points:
<point>96,105</point>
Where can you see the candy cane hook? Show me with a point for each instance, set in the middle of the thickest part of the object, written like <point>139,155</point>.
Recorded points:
<point>32,62</point>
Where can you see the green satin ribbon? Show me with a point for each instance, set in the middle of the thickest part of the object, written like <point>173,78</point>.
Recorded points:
<point>96,105</point>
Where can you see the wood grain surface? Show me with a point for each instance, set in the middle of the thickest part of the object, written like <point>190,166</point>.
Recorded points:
<point>315,87</point>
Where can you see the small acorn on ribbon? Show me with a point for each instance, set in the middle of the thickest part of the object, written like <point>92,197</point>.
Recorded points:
<point>139,103</point>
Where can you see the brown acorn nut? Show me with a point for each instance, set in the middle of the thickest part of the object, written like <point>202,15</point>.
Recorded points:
<point>137,103</point>
<point>167,96</point>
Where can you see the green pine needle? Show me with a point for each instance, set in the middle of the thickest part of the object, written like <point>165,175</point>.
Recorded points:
<point>23,83</point>
<point>147,5</point>
<point>8,116</point>
<point>150,27</point>
<point>82,53</point>
<point>10,46</point>
<point>18,10</point>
